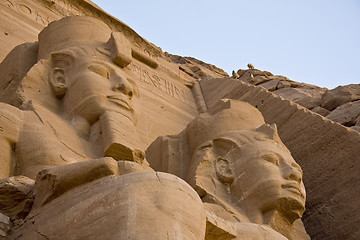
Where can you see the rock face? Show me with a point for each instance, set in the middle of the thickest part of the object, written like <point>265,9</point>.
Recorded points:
<point>102,135</point>
<point>16,196</point>
<point>319,100</point>
<point>4,226</point>
<point>347,114</point>
<point>131,206</point>
<point>340,95</point>
<point>307,95</point>
<point>327,152</point>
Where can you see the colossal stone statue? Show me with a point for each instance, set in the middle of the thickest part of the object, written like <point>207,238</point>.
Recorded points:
<point>72,166</point>
<point>76,115</point>
<point>71,98</point>
<point>241,170</point>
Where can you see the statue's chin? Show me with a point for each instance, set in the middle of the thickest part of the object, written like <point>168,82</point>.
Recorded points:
<point>290,208</point>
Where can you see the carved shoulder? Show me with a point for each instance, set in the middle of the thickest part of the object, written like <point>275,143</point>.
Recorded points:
<point>11,121</point>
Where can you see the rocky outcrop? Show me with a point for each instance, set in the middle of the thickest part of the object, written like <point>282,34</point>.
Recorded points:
<point>339,104</point>
<point>78,199</point>
<point>347,114</point>
<point>16,196</point>
<point>327,152</point>
<point>340,95</point>
<point>194,67</point>
<point>4,226</point>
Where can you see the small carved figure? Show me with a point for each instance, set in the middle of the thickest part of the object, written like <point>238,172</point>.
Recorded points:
<point>251,78</point>
<point>250,66</point>
<point>235,75</point>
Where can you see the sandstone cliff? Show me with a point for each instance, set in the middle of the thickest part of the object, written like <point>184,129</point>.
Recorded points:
<point>176,89</point>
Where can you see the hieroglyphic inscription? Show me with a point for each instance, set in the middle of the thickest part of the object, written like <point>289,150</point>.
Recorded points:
<point>75,7</point>
<point>67,8</point>
<point>177,72</point>
<point>171,89</point>
<point>62,8</point>
<point>26,10</point>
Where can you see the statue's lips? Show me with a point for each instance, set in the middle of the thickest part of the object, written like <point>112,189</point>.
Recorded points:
<point>121,100</point>
<point>294,188</point>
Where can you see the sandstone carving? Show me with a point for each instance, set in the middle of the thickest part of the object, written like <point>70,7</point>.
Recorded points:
<point>318,145</point>
<point>250,66</point>
<point>84,99</point>
<point>74,131</point>
<point>74,99</point>
<point>241,170</point>
<point>235,75</point>
<point>136,205</point>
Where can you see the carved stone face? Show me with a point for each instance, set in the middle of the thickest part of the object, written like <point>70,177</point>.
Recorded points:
<point>267,177</point>
<point>258,177</point>
<point>96,85</point>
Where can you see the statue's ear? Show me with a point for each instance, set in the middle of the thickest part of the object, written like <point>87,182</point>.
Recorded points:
<point>223,171</point>
<point>221,147</point>
<point>58,81</point>
<point>61,62</point>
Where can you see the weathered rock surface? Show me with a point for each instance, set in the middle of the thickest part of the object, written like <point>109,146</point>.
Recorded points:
<point>356,128</point>
<point>346,114</point>
<point>340,95</point>
<point>271,85</point>
<point>307,95</point>
<point>16,196</point>
<point>5,226</point>
<point>309,98</point>
<point>120,207</point>
<point>87,192</point>
<point>54,182</point>
<point>194,67</point>
<point>317,99</point>
<point>320,110</point>
<point>327,152</point>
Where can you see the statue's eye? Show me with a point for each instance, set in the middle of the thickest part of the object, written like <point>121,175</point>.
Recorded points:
<point>271,157</point>
<point>100,69</point>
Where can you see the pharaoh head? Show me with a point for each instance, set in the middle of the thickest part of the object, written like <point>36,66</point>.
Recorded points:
<point>81,63</point>
<point>238,161</point>
<point>253,170</point>
<point>78,70</point>
<point>245,163</point>
<point>84,71</point>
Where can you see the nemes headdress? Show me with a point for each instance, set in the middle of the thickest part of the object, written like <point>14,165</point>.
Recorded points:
<point>75,31</point>
<point>83,30</point>
<point>70,32</point>
<point>173,153</point>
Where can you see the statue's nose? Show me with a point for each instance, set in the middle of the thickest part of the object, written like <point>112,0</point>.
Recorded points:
<point>122,84</point>
<point>293,172</point>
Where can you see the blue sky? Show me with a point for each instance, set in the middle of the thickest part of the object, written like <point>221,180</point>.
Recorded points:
<point>311,41</point>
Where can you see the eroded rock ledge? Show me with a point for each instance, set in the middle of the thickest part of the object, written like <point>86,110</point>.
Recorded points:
<point>341,104</point>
